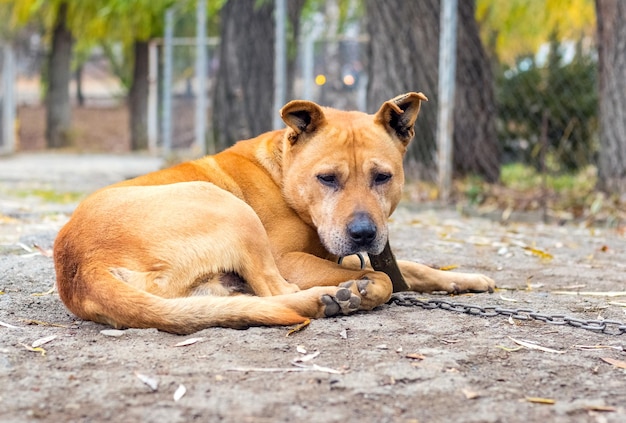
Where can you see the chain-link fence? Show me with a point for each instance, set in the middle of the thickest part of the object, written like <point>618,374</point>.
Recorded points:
<point>177,101</point>
<point>527,118</point>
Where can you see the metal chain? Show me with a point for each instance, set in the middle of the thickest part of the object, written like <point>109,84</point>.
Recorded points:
<point>610,327</point>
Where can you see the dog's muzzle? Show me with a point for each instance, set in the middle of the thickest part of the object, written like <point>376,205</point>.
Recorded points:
<point>362,232</point>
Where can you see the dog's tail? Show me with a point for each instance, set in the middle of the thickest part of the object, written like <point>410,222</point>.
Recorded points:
<point>105,299</point>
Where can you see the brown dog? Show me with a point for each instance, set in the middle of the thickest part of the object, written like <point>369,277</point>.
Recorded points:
<point>268,217</point>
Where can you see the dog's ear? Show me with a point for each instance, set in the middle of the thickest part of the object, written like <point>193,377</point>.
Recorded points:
<point>302,116</point>
<point>398,115</point>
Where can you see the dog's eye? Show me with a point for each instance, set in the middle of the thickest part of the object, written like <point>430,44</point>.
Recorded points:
<point>330,180</point>
<point>381,178</point>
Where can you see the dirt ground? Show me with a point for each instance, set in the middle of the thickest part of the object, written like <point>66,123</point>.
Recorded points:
<point>394,364</point>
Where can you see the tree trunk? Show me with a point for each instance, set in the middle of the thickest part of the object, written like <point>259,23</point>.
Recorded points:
<point>294,11</point>
<point>404,56</point>
<point>58,108</point>
<point>244,90</point>
<point>138,97</point>
<point>78,78</point>
<point>476,146</point>
<point>611,15</point>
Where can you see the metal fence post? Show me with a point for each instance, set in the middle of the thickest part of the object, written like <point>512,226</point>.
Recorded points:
<point>201,67</point>
<point>166,121</point>
<point>8,100</point>
<point>445,92</point>
<point>280,62</point>
<point>153,96</point>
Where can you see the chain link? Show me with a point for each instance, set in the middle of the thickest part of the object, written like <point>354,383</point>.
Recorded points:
<point>609,327</point>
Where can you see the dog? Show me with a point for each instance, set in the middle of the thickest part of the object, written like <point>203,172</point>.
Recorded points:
<point>252,235</point>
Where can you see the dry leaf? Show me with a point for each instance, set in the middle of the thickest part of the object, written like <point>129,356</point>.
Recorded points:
<point>151,382</point>
<point>42,323</point>
<point>114,333</point>
<point>316,368</point>
<point>593,294</point>
<point>299,327</point>
<point>306,358</point>
<point>299,368</point>
<point>450,341</point>
<point>39,342</point>
<point>597,347</point>
<point>538,400</point>
<point>616,363</point>
<point>539,253</point>
<point>8,325</point>
<point>415,356</point>
<point>507,349</point>
<point>469,394</point>
<point>36,349</point>
<point>180,392</point>
<point>43,251</point>
<point>600,408</point>
<point>502,297</point>
<point>532,346</point>
<point>189,341</point>
<point>42,294</point>
<point>24,247</point>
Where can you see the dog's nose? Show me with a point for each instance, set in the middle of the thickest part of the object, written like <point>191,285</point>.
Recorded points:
<point>362,230</point>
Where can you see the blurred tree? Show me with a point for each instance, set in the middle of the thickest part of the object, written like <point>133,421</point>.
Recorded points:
<point>611,15</point>
<point>131,24</point>
<point>404,57</point>
<point>111,23</point>
<point>55,16</point>
<point>514,28</point>
<point>244,88</point>
<point>58,110</point>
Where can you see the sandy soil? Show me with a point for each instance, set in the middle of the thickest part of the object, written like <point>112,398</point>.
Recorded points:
<point>394,364</point>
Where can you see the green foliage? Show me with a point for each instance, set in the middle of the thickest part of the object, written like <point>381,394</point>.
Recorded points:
<point>523,177</point>
<point>512,28</point>
<point>561,96</point>
<point>113,24</point>
<point>51,196</point>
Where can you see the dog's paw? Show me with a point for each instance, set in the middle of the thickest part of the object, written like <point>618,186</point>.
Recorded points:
<point>468,282</point>
<point>342,302</point>
<point>361,286</point>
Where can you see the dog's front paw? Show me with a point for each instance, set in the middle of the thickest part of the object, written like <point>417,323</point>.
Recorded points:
<point>342,302</point>
<point>468,282</point>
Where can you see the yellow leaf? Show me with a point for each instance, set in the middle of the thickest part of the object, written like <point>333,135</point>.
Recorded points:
<point>538,400</point>
<point>42,323</point>
<point>35,349</point>
<point>299,327</point>
<point>42,294</point>
<point>541,254</point>
<point>449,267</point>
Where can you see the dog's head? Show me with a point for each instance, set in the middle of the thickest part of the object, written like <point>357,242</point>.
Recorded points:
<point>342,171</point>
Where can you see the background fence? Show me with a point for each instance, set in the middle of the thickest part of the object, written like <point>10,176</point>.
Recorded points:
<point>545,101</point>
